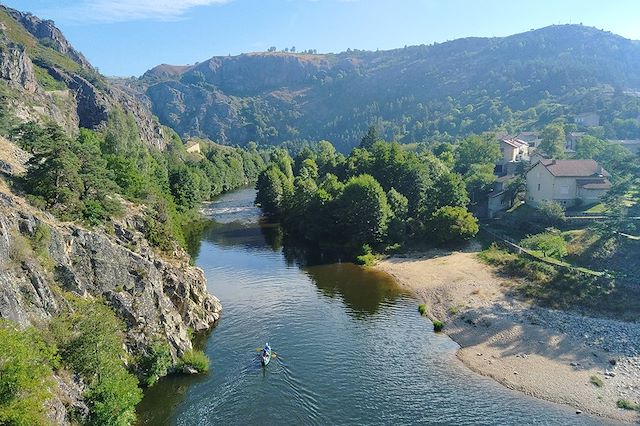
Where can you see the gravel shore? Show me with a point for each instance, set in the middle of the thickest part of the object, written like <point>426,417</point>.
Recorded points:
<point>550,354</point>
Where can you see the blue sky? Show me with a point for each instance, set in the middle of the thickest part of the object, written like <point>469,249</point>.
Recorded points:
<point>127,37</point>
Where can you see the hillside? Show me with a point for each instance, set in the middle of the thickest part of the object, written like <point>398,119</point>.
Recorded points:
<point>97,294</point>
<point>458,87</point>
<point>43,78</point>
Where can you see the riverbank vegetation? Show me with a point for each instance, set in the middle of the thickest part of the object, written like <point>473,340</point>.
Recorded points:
<point>87,177</point>
<point>381,196</point>
<point>94,178</point>
<point>562,287</point>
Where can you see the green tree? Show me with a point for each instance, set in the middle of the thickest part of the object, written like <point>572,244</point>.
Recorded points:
<point>477,149</point>
<point>399,206</point>
<point>453,225</point>
<point>25,375</point>
<point>553,141</point>
<point>551,244</point>
<point>370,138</point>
<point>273,187</point>
<point>551,213</point>
<point>589,147</point>
<point>54,176</point>
<point>364,211</point>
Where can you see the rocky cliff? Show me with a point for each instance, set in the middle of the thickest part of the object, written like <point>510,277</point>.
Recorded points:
<point>42,260</point>
<point>156,296</point>
<point>46,78</point>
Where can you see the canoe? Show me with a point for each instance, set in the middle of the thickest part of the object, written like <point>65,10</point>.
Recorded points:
<point>265,357</point>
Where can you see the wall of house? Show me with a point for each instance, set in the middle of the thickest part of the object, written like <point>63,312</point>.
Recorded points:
<point>589,196</point>
<point>508,152</point>
<point>565,191</point>
<point>539,185</point>
<point>497,204</point>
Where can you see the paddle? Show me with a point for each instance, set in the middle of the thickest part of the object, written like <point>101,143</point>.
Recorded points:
<point>273,354</point>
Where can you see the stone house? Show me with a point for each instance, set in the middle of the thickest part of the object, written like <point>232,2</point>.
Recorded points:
<point>497,201</point>
<point>566,182</point>
<point>513,151</point>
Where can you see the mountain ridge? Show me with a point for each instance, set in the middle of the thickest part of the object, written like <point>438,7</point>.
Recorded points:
<point>280,97</point>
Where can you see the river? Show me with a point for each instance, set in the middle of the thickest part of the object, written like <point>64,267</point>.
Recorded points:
<point>351,347</point>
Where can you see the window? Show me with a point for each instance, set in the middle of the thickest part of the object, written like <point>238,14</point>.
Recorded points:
<point>538,187</point>
<point>564,190</point>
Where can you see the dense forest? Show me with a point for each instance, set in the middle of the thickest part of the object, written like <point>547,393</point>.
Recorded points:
<point>381,195</point>
<point>429,92</point>
<point>88,177</point>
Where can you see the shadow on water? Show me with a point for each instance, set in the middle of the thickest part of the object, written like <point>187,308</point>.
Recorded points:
<point>363,291</point>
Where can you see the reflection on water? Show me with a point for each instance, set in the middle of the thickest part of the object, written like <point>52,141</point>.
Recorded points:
<point>351,347</point>
<point>363,291</point>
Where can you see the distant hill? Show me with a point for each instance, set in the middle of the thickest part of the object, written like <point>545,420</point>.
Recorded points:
<point>462,86</point>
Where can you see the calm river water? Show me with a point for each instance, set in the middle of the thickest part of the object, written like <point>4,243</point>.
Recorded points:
<point>351,346</point>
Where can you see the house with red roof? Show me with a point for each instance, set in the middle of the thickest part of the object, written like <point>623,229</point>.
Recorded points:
<point>566,182</point>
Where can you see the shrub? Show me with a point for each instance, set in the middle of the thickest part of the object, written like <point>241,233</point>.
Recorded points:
<point>25,375</point>
<point>453,224</point>
<point>627,405</point>
<point>597,381</point>
<point>422,309</point>
<point>437,325</point>
<point>195,359</point>
<point>91,342</point>
<point>367,258</point>
<point>550,243</point>
<point>551,213</point>
<point>155,363</point>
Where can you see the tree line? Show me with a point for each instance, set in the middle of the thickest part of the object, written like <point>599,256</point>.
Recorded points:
<point>88,176</point>
<point>380,196</point>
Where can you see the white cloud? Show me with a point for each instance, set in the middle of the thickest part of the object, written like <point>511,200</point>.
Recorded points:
<point>135,10</point>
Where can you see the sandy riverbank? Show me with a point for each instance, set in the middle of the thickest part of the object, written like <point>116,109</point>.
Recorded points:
<point>541,352</point>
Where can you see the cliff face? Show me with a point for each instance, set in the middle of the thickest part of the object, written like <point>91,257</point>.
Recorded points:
<point>156,297</point>
<point>16,67</point>
<point>46,31</point>
<point>48,79</point>
<point>42,260</point>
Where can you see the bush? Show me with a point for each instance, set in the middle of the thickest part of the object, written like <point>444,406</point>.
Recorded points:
<point>550,243</point>
<point>422,309</point>
<point>155,364</point>
<point>437,325</point>
<point>195,359</point>
<point>453,225</point>
<point>367,258</point>
<point>25,375</point>
<point>627,405</point>
<point>551,213</point>
<point>91,342</point>
<point>597,381</point>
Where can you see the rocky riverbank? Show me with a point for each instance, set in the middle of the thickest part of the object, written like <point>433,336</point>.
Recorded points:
<point>587,363</point>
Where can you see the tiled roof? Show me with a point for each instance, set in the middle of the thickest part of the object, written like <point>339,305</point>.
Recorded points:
<point>574,168</point>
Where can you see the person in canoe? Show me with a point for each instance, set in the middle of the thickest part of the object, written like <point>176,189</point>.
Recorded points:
<point>266,354</point>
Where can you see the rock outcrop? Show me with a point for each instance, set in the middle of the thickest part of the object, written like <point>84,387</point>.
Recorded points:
<point>16,67</point>
<point>46,32</point>
<point>158,298</point>
<point>83,99</point>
